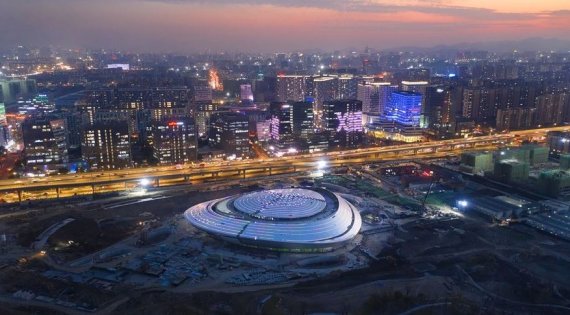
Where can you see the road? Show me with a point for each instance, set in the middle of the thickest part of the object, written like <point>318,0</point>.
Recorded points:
<point>259,151</point>
<point>7,164</point>
<point>119,180</point>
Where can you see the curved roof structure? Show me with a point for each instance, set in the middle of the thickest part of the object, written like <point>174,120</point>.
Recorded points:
<point>284,219</point>
<point>291,203</point>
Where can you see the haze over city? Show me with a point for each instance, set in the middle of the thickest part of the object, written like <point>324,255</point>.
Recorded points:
<point>302,157</point>
<point>269,26</point>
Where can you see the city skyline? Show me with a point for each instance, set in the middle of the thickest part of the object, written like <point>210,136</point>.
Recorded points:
<point>269,25</point>
<point>284,157</point>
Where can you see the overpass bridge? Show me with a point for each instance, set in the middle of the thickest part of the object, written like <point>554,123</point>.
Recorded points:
<point>121,180</point>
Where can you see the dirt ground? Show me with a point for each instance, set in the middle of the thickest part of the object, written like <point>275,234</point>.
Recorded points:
<point>459,266</point>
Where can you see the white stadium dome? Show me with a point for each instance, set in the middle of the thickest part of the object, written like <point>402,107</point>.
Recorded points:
<point>293,219</point>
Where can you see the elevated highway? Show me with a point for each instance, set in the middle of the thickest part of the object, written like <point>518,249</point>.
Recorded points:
<point>14,190</point>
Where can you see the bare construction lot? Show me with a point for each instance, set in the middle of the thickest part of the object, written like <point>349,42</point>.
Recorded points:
<point>139,256</point>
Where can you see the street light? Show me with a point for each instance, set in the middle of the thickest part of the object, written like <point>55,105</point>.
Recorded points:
<point>321,164</point>
<point>463,203</point>
<point>144,182</point>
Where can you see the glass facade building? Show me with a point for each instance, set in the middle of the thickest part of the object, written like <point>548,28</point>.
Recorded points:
<point>405,108</point>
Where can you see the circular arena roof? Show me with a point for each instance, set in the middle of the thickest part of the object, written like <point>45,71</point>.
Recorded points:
<point>283,219</point>
<point>291,203</point>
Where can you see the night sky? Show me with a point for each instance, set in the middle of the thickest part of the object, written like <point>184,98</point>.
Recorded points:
<point>271,25</point>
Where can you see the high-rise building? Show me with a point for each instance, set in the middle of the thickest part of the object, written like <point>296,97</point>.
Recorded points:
<point>303,120</point>
<point>203,93</point>
<point>263,130</point>
<point>291,88</point>
<point>74,125</point>
<point>418,87</point>
<point>291,120</point>
<point>100,98</point>
<point>203,111</point>
<point>203,107</point>
<point>229,131</point>
<point>3,120</point>
<point>246,93</point>
<point>123,116</point>
<point>45,142</point>
<point>170,97</point>
<point>275,128</point>
<point>440,109</point>
<point>480,104</point>
<point>516,118</point>
<point>161,113</point>
<point>416,75</point>
<point>174,140</point>
<point>134,98</point>
<point>374,97</point>
<point>15,123</point>
<point>281,121</point>
<point>517,94</point>
<point>342,119</point>
<point>343,115</point>
<point>38,105</point>
<point>559,143</point>
<point>12,89</point>
<point>347,87</point>
<point>169,102</point>
<point>106,145</point>
<point>325,89</point>
<point>405,108</point>
<point>4,130</point>
<point>93,101</point>
<point>254,116</point>
<point>552,109</point>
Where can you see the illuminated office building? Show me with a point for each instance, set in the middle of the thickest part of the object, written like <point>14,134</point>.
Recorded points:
<point>106,145</point>
<point>45,142</point>
<point>420,88</point>
<point>405,108</point>
<point>229,131</point>
<point>174,140</point>
<point>343,121</point>
<point>291,88</point>
<point>325,89</point>
<point>246,93</point>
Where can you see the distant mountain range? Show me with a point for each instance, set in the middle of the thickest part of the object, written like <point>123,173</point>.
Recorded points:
<point>529,44</point>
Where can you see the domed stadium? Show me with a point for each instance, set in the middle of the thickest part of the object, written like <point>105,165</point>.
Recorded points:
<point>296,219</point>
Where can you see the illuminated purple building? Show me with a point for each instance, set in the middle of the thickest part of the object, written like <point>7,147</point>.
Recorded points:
<point>274,128</point>
<point>343,120</point>
<point>291,120</point>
